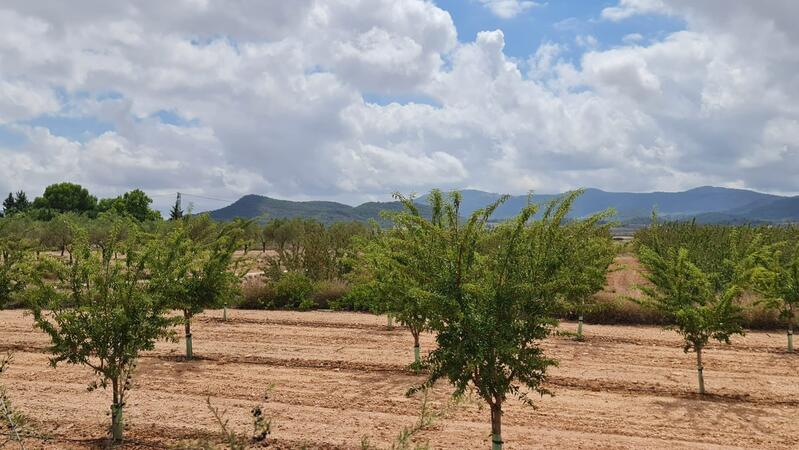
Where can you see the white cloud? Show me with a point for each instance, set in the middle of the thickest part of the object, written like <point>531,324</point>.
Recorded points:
<point>508,9</point>
<point>629,8</point>
<point>274,96</point>
<point>632,38</point>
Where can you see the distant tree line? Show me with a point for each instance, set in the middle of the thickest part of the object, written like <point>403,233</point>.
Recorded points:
<point>61,198</point>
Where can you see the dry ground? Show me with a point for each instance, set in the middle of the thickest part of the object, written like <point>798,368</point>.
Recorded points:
<point>340,376</point>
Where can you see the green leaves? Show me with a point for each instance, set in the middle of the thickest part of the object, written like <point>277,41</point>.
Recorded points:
<point>487,292</point>
<point>700,307</point>
<point>98,312</point>
<point>192,275</point>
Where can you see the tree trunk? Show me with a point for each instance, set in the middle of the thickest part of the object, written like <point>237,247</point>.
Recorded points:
<point>700,370</point>
<point>224,312</point>
<point>496,425</point>
<point>263,247</point>
<point>417,357</point>
<point>790,335</point>
<point>580,328</point>
<point>117,424</point>
<point>62,251</point>
<point>187,322</point>
<point>389,322</point>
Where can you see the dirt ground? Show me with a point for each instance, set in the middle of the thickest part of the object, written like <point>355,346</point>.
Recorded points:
<point>340,377</point>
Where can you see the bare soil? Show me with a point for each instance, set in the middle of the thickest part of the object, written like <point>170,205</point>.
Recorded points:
<point>341,377</point>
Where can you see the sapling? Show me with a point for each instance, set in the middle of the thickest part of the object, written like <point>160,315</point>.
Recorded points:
<point>777,279</point>
<point>191,276</point>
<point>589,253</point>
<point>493,289</point>
<point>98,313</point>
<point>686,296</point>
<point>392,285</point>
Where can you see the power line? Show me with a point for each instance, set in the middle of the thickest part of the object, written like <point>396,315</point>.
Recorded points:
<point>208,198</point>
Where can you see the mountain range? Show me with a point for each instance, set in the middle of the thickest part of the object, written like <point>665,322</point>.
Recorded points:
<point>706,204</point>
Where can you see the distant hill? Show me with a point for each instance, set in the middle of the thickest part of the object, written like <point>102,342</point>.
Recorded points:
<point>706,204</point>
<point>252,206</point>
<point>628,205</point>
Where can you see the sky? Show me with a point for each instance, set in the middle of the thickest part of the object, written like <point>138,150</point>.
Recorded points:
<point>351,100</point>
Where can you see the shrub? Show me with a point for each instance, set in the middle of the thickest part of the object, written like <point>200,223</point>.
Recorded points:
<point>255,294</point>
<point>292,289</point>
<point>359,297</point>
<point>327,293</point>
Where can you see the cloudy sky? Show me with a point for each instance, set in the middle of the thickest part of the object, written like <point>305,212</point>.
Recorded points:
<point>351,100</point>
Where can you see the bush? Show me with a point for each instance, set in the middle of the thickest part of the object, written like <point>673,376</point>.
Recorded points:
<point>255,294</point>
<point>327,293</point>
<point>357,298</point>
<point>292,290</point>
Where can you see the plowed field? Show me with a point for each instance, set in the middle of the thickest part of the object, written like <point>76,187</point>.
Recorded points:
<point>340,377</point>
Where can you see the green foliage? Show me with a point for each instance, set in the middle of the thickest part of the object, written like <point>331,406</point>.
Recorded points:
<point>106,228</point>
<point>687,296</point>
<point>14,426</point>
<point>320,252</point>
<point>98,313</point>
<point>697,278</point>
<point>293,290</point>
<point>383,277</point>
<point>59,233</point>
<point>777,279</point>
<point>15,274</point>
<point>493,291</point>
<point>177,210</point>
<point>15,204</point>
<point>66,197</point>
<point>249,232</point>
<point>589,252</point>
<point>191,275</point>
<point>135,204</point>
<point>15,259</point>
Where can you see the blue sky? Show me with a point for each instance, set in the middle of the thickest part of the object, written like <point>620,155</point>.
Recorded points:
<point>557,21</point>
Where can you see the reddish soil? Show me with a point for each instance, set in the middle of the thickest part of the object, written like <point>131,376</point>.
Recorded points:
<point>340,377</point>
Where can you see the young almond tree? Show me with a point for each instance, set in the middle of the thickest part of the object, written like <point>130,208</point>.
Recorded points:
<point>589,254</point>
<point>493,289</point>
<point>98,313</point>
<point>778,281</point>
<point>393,289</point>
<point>191,276</point>
<point>685,294</point>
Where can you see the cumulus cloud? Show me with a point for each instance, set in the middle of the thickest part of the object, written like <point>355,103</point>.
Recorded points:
<point>269,97</point>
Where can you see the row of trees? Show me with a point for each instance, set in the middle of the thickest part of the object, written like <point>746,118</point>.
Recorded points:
<point>113,299</point>
<point>698,273</point>
<point>489,293</point>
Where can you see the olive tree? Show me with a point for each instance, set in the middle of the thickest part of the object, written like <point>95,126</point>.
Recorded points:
<point>59,232</point>
<point>98,313</point>
<point>191,275</point>
<point>494,290</point>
